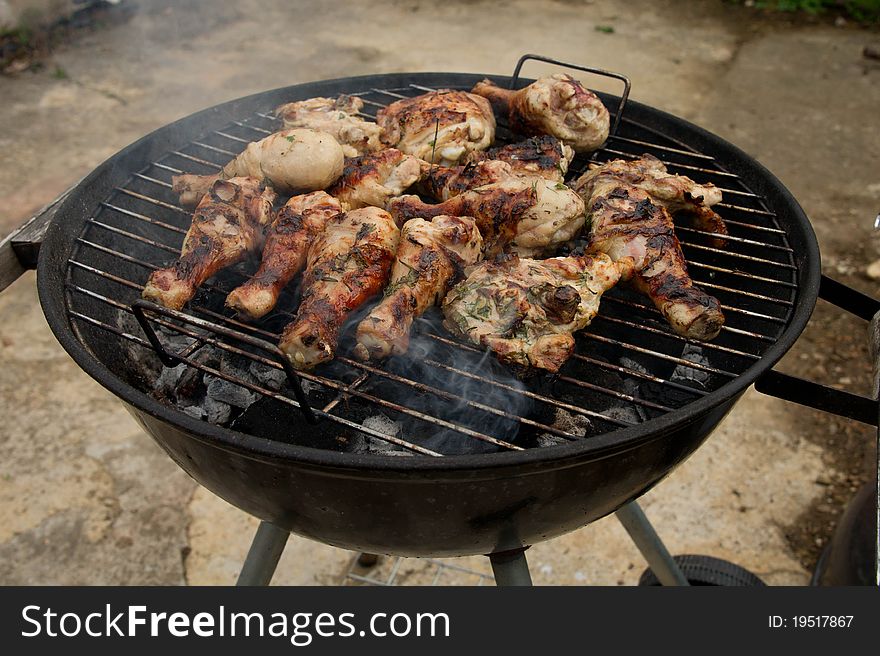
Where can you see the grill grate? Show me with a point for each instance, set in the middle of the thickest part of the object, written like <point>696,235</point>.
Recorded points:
<point>628,366</point>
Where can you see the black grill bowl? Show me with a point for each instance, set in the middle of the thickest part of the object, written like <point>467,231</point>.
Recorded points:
<point>416,506</point>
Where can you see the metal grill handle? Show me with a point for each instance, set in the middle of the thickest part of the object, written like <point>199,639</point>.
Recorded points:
<point>140,307</point>
<point>818,396</point>
<point>596,71</point>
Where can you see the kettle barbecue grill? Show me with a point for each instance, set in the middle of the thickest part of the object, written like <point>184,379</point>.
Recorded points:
<point>476,462</point>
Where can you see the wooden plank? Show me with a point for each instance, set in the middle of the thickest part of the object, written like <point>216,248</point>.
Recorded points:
<point>19,250</point>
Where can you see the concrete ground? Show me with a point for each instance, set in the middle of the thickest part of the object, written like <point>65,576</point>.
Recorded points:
<point>87,498</point>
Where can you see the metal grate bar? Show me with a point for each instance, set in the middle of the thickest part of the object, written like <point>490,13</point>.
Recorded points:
<point>751,210</point>
<point>129,235</point>
<point>455,397</point>
<point>231,137</point>
<point>740,256</point>
<point>684,167</point>
<point>154,201</point>
<point>166,167</point>
<point>750,226</point>
<point>268,117</point>
<point>357,382</point>
<point>390,93</point>
<point>652,310</point>
<point>620,395</point>
<point>665,149</point>
<point>741,274</point>
<point>222,151</point>
<point>251,127</point>
<point>769,299</point>
<point>196,159</point>
<point>144,218</point>
<point>663,356</point>
<point>528,393</point>
<point>710,345</point>
<point>602,390</point>
<point>741,240</point>
<point>627,371</point>
<point>153,180</point>
<point>139,288</point>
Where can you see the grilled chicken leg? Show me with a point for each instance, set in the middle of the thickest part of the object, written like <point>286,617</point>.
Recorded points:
<point>440,126</point>
<point>677,193</point>
<point>544,156</point>
<point>625,223</point>
<point>335,116</point>
<point>526,311</point>
<point>228,224</point>
<point>295,227</point>
<point>373,179</point>
<point>533,215</point>
<point>430,256</point>
<point>293,161</point>
<point>347,264</point>
<point>558,105</point>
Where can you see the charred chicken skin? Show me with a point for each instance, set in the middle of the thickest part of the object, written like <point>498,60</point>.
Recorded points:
<point>439,127</point>
<point>228,224</point>
<point>370,180</point>
<point>295,227</point>
<point>544,156</point>
<point>677,193</point>
<point>335,116</point>
<point>532,215</point>
<point>558,105</point>
<point>346,265</point>
<point>626,223</point>
<point>292,161</point>
<point>525,310</point>
<point>430,258</point>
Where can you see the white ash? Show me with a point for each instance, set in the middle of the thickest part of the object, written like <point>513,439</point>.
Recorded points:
<point>168,378</point>
<point>173,341</point>
<point>381,447</point>
<point>631,387</point>
<point>194,411</point>
<point>363,443</point>
<point>625,413</point>
<point>382,424</point>
<point>691,353</point>
<point>222,390</point>
<point>632,364</point>
<point>215,412</point>
<point>570,422</point>
<point>548,439</point>
<point>308,386</point>
<point>236,367</point>
<point>269,376</point>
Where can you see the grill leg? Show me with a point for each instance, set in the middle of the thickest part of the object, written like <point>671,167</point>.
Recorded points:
<point>650,545</point>
<point>263,556</point>
<point>510,568</point>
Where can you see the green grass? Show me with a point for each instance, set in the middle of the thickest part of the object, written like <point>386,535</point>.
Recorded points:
<point>866,11</point>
